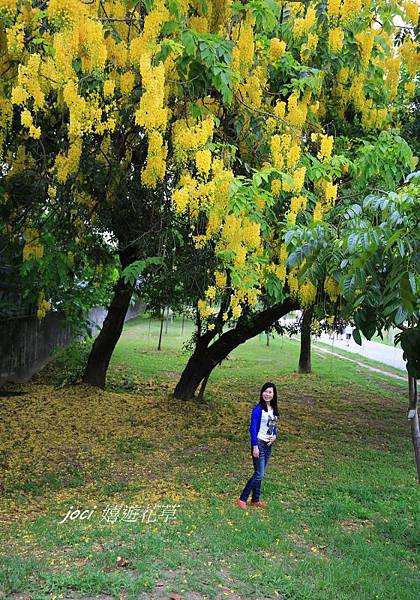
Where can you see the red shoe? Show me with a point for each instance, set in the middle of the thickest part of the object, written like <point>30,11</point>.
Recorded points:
<point>260,504</point>
<point>241,503</point>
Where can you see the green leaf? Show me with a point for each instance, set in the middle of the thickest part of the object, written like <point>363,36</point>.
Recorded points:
<point>357,337</point>
<point>188,41</point>
<point>400,316</point>
<point>412,281</point>
<point>132,272</point>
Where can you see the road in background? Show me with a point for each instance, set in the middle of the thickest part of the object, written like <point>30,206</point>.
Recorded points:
<point>388,355</point>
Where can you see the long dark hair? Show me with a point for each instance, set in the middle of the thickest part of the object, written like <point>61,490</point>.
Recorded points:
<point>273,401</point>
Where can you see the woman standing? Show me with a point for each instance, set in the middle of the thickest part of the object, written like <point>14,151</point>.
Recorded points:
<point>263,433</point>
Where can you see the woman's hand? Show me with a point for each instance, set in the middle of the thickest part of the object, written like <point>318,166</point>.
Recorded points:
<point>271,440</point>
<point>255,451</point>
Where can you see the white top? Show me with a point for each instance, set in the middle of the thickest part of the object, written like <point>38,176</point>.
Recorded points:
<point>348,329</point>
<point>267,425</point>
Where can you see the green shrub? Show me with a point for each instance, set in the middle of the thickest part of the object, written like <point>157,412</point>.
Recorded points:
<point>67,365</point>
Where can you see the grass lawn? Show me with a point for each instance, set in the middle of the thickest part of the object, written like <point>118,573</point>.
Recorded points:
<point>158,478</point>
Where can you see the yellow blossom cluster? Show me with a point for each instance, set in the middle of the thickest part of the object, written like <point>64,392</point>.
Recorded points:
<point>409,52</point>
<point>293,155</point>
<point>298,179</point>
<point>8,6</point>
<point>203,161</point>
<point>306,294</point>
<point>326,147</point>
<point>127,81</point>
<point>109,87</point>
<point>43,306</point>
<point>27,121</point>
<point>6,115</point>
<point>92,50</point>
<point>68,12</point>
<point>214,223</point>
<point>200,24</point>
<point>410,88</point>
<point>243,49</point>
<point>277,150</point>
<point>86,115</point>
<point>211,195</point>
<point>205,309</point>
<point>305,24</point>
<point>393,65</point>
<point>349,10</point>
<point>357,93</point>
<point>343,75</point>
<point>333,8</point>
<point>297,203</point>
<point>335,39</point>
<point>280,109</point>
<point>365,39</point>
<point>222,180</point>
<point>276,187</point>
<point>187,136</point>
<point>199,241</point>
<point>281,273</point>
<point>277,47</point>
<point>220,278</point>
<point>236,311</point>
<point>15,36</point>
<point>330,192</point>
<point>211,293</point>
<point>318,212</point>
<point>28,85</point>
<point>296,111</point>
<point>180,198</point>
<point>32,248</point>
<point>246,295</point>
<point>374,117</point>
<point>412,11</point>
<point>309,47</point>
<point>284,146</point>
<point>331,287</point>
<point>293,282</point>
<point>146,42</point>
<point>152,114</point>
<point>251,90</point>
<point>155,168</point>
<point>67,164</point>
<point>283,253</point>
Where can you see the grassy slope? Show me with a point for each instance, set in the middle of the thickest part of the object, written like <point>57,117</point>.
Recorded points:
<point>342,521</point>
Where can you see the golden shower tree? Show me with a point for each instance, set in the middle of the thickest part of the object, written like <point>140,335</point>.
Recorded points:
<point>245,117</point>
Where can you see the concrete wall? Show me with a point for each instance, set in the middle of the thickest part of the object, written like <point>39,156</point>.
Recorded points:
<point>97,315</point>
<point>27,343</point>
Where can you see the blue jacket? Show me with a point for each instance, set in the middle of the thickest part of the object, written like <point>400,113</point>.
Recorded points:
<point>255,424</point>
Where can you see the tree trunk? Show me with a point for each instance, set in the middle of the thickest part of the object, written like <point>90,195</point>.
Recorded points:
<point>103,347</point>
<point>205,357</point>
<point>305,341</point>
<point>162,316</point>
<point>413,415</point>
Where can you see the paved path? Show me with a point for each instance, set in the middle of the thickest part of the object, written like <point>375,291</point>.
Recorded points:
<point>357,362</point>
<point>388,355</point>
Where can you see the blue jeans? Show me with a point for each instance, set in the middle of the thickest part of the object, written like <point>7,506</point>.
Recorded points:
<point>260,464</point>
